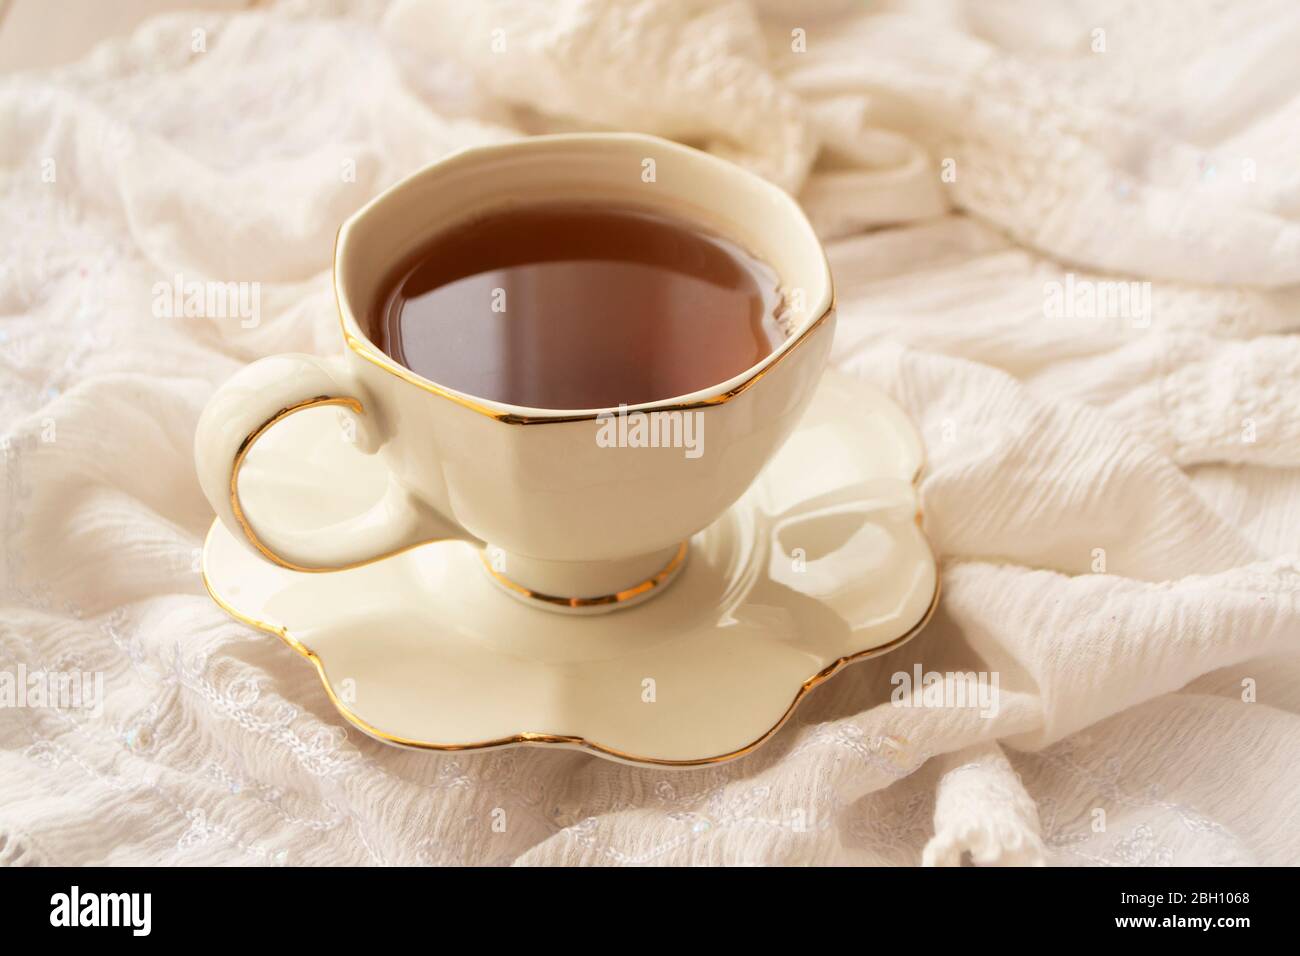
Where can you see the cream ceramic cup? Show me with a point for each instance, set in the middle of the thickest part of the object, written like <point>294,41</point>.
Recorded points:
<point>568,521</point>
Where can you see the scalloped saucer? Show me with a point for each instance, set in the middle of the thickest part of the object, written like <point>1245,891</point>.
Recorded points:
<point>820,564</point>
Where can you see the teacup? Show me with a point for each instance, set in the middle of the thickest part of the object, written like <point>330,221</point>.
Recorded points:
<point>569,518</point>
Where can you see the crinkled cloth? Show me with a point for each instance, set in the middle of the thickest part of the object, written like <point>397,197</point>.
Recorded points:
<point>1113,485</point>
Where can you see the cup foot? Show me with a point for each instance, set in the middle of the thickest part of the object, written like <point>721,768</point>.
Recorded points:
<point>581,587</point>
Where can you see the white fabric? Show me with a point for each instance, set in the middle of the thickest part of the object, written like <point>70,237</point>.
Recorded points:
<point>1116,502</point>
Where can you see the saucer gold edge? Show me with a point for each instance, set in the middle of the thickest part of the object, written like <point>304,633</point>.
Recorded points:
<point>574,742</point>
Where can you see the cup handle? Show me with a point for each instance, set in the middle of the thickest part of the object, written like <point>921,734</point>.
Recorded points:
<point>253,402</point>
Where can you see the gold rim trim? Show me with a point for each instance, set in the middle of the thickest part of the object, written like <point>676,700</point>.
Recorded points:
<point>573,742</point>
<point>363,348</point>
<point>618,597</point>
<point>367,351</point>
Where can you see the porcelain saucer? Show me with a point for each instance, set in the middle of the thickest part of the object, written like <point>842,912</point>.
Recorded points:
<point>820,564</point>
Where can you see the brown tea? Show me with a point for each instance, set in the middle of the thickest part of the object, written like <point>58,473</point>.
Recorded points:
<point>576,306</point>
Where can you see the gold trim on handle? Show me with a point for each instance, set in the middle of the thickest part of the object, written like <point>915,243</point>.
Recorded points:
<point>618,597</point>
<point>320,401</point>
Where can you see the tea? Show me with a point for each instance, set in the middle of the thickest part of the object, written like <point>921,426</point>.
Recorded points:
<point>580,306</point>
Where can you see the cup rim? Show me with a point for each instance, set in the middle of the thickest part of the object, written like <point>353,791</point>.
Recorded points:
<point>359,342</point>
